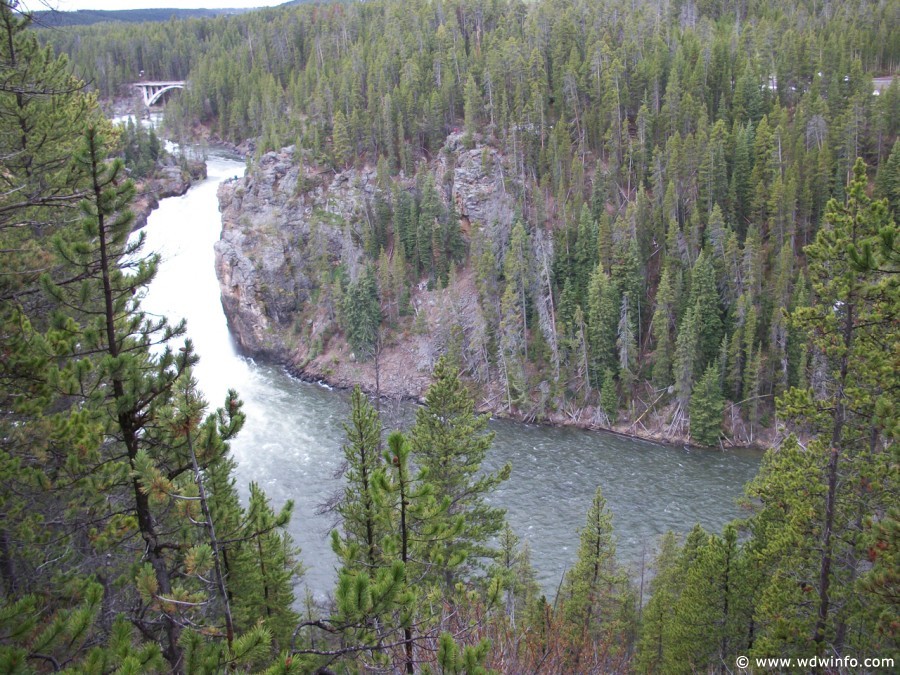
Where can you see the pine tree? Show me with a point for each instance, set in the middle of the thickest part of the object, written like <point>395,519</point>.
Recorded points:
<point>516,271</point>
<point>511,346</point>
<point>265,570</point>
<point>596,599</point>
<point>585,251</point>
<point>455,659</point>
<point>714,615</point>
<point>815,499</point>
<point>663,319</point>
<point>517,574</point>
<point>50,447</point>
<point>341,143</point>
<point>797,343</point>
<point>361,313</point>
<point>473,105</point>
<point>888,181</point>
<point>435,248</point>
<point>421,522</point>
<point>656,619</point>
<point>398,456</point>
<point>363,519</point>
<point>704,299</point>
<point>134,385</point>
<point>713,174</point>
<point>124,418</point>
<point>155,431</point>
<point>686,357</point>
<point>750,396</point>
<point>44,111</point>
<point>406,223</point>
<point>598,195</point>
<point>740,190</point>
<point>450,442</point>
<point>609,397</point>
<point>664,639</point>
<point>707,406</point>
<point>627,348</point>
<point>603,318</point>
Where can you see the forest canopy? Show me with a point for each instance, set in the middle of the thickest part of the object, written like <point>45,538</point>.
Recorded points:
<point>705,217</point>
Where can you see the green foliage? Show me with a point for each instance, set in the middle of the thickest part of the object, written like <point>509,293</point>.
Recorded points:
<point>706,408</point>
<point>110,557</point>
<point>655,639</point>
<point>409,535</point>
<point>733,173</point>
<point>360,509</point>
<point>514,569</point>
<point>361,314</point>
<point>686,356</point>
<point>663,320</point>
<point>609,396</point>
<point>603,319</point>
<point>713,620</point>
<point>512,345</point>
<point>597,603</point>
<point>454,659</point>
<point>888,181</point>
<point>140,148</point>
<point>341,140</point>
<point>704,299</point>
<point>715,176</point>
<point>263,570</point>
<point>450,442</point>
<point>842,478</point>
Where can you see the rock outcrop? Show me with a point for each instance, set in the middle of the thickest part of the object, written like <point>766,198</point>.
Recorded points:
<point>293,235</point>
<point>289,229</point>
<point>480,190</point>
<point>170,180</point>
<point>284,228</point>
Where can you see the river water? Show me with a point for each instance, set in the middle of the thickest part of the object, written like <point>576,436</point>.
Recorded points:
<point>291,444</point>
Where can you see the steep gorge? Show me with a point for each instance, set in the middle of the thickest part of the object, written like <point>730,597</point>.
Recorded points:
<point>287,226</point>
<point>295,235</point>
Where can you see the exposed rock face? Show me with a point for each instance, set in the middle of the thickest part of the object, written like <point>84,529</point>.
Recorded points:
<point>278,241</point>
<point>170,181</point>
<point>289,233</point>
<point>480,189</point>
<point>282,241</point>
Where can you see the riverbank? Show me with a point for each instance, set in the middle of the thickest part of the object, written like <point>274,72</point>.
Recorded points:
<point>294,241</point>
<point>646,424</point>
<point>171,177</point>
<point>291,443</point>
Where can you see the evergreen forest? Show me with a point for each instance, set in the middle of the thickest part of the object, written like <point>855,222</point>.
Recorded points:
<point>706,194</point>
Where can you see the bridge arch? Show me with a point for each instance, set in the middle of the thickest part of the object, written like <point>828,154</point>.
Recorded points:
<point>153,91</point>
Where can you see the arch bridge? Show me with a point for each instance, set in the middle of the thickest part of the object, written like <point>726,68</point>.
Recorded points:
<point>153,91</point>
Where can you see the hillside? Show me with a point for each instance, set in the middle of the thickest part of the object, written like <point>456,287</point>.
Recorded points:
<point>89,17</point>
<point>677,216</point>
<point>664,192</point>
<point>287,221</point>
<point>666,169</point>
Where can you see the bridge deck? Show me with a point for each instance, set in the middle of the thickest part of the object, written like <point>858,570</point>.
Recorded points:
<point>153,91</point>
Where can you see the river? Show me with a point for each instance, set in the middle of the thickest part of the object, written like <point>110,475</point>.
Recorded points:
<point>291,444</point>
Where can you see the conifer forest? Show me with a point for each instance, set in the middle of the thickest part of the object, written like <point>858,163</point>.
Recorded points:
<point>672,219</point>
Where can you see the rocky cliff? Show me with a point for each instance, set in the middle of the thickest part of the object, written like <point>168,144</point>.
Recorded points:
<point>294,235</point>
<point>288,227</point>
